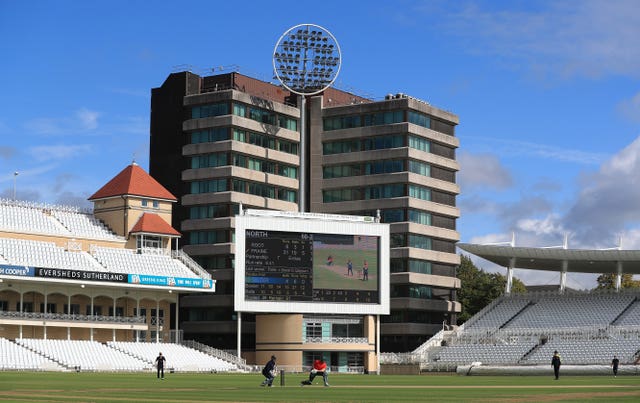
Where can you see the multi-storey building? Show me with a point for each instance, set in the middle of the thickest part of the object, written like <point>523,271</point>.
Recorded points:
<point>222,141</point>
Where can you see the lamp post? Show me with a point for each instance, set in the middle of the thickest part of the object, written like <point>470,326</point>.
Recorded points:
<point>306,60</point>
<point>15,179</point>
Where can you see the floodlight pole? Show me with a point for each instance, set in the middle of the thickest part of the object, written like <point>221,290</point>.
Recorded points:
<point>302,181</point>
<point>239,336</point>
<point>306,61</point>
<point>378,344</point>
<point>15,179</point>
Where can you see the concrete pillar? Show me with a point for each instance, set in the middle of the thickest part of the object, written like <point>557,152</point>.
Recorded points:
<point>512,263</point>
<point>618,276</point>
<point>563,276</point>
<point>157,321</point>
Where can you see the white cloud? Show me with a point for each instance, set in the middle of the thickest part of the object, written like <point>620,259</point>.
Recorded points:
<point>88,119</point>
<point>81,121</point>
<point>491,239</point>
<point>482,170</point>
<point>58,152</point>
<point>563,38</point>
<point>604,209</point>
<point>26,173</point>
<point>507,148</point>
<point>630,238</point>
<point>609,199</point>
<point>548,225</point>
<point>630,108</point>
<point>605,206</point>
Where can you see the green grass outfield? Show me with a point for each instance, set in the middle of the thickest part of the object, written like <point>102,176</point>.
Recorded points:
<point>136,387</point>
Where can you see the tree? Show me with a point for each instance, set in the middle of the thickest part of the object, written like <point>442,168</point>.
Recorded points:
<point>607,281</point>
<point>479,288</point>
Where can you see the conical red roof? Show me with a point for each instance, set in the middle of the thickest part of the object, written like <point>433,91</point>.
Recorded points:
<point>134,181</point>
<point>151,223</point>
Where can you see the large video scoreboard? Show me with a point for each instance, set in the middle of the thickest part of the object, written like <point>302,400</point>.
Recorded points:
<point>311,263</point>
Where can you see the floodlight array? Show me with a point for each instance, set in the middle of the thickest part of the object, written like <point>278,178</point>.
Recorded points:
<point>306,59</point>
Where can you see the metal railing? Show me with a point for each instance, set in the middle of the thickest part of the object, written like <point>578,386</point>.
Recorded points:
<point>221,354</point>
<point>190,263</point>
<point>337,340</point>
<point>72,317</point>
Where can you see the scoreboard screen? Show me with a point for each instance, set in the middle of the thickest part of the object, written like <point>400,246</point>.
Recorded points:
<point>311,267</point>
<point>310,263</point>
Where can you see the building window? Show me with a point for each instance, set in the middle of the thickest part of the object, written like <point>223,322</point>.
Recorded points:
<point>384,191</point>
<point>208,237</point>
<point>154,203</point>
<point>341,147</point>
<point>205,111</point>
<point>210,135</point>
<point>383,118</point>
<point>392,215</point>
<point>383,142</point>
<point>211,186</point>
<point>210,211</point>
<point>398,240</point>
<point>262,116</point>
<point>265,141</point>
<point>288,123</point>
<point>383,167</point>
<point>419,241</point>
<point>288,147</point>
<point>410,291</point>
<point>420,192</point>
<point>367,193</point>
<point>372,119</point>
<point>288,195</point>
<point>410,265</point>
<point>258,189</point>
<point>287,171</point>
<point>341,122</point>
<point>148,241</point>
<point>420,217</point>
<point>341,171</point>
<point>419,119</point>
<point>420,143</point>
<point>240,110</point>
<point>419,168</point>
<point>313,329</point>
<point>209,160</point>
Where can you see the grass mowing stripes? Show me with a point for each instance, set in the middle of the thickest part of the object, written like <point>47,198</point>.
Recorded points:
<point>137,387</point>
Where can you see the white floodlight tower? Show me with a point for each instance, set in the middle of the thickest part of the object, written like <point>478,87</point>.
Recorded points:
<point>306,60</point>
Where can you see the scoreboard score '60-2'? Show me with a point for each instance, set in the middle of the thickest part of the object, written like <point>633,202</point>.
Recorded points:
<point>288,262</point>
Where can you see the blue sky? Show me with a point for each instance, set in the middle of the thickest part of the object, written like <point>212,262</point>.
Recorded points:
<point>548,95</point>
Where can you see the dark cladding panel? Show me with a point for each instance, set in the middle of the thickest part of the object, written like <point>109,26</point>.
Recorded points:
<point>167,139</point>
